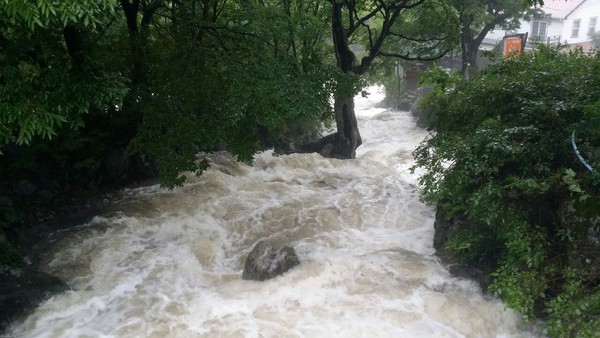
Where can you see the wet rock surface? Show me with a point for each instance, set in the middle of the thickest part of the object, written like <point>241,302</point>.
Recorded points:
<point>23,284</point>
<point>268,259</point>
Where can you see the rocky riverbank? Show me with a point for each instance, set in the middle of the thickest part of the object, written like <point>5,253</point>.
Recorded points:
<point>23,284</point>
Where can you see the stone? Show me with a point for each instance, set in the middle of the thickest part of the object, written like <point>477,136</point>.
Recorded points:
<point>268,259</point>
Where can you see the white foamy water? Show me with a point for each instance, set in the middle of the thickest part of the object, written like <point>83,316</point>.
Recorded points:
<point>169,263</point>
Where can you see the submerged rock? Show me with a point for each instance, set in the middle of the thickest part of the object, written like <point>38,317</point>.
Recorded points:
<point>268,260</point>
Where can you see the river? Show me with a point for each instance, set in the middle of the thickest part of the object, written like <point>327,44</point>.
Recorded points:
<point>169,263</point>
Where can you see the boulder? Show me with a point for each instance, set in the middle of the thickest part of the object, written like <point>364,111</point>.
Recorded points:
<point>268,260</point>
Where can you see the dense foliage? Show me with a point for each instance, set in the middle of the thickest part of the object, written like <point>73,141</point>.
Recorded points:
<point>171,79</point>
<point>42,83</point>
<point>240,82</point>
<point>97,94</point>
<point>179,77</point>
<point>502,158</point>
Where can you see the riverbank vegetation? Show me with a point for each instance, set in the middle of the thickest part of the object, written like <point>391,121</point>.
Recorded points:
<point>516,198</point>
<point>103,94</point>
<point>100,95</point>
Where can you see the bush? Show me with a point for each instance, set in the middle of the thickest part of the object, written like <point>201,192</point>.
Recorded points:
<point>502,155</point>
<point>435,84</point>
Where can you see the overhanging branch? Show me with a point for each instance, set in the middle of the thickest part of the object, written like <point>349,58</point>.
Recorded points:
<point>417,39</point>
<point>411,56</point>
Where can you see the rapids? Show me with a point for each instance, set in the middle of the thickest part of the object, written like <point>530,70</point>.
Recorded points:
<point>169,263</point>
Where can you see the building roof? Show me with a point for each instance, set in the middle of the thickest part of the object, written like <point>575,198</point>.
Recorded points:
<point>560,9</point>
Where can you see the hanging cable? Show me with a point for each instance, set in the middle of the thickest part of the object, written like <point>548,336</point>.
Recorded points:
<point>578,154</point>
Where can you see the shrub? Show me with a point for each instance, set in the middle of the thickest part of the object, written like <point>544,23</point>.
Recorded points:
<point>502,155</point>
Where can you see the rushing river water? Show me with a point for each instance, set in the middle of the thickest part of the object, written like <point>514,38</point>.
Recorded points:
<point>169,263</point>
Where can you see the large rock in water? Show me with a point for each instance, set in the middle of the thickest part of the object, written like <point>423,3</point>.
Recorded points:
<point>268,259</point>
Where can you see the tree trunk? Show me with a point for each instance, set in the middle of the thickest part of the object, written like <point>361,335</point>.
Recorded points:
<point>464,69</point>
<point>131,10</point>
<point>348,137</point>
<point>342,144</point>
<point>470,53</point>
<point>469,45</point>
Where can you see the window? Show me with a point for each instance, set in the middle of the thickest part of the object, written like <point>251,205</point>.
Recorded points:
<point>592,25</point>
<point>575,29</point>
<point>538,30</point>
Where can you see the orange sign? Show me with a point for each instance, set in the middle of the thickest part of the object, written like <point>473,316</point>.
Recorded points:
<point>512,46</point>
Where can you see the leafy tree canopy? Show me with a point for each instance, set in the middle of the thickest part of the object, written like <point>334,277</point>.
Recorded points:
<point>44,13</point>
<point>46,80</point>
<point>242,77</point>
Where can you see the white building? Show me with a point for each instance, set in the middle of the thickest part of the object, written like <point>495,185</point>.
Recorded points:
<point>571,22</point>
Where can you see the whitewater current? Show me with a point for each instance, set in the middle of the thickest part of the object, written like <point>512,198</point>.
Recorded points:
<point>169,263</point>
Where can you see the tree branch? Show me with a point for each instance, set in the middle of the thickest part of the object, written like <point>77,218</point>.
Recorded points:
<point>416,39</point>
<point>364,19</point>
<point>418,57</point>
<point>388,22</point>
